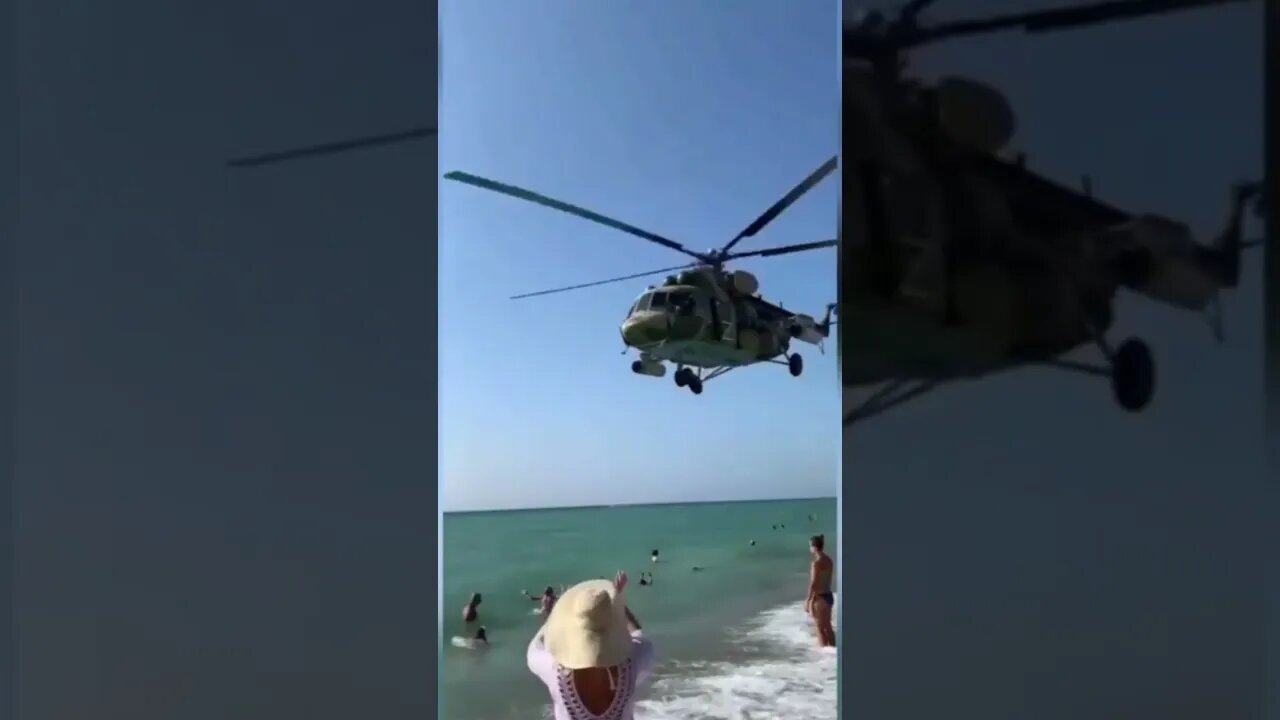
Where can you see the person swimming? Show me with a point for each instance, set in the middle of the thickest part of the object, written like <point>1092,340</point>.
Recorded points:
<point>546,600</point>
<point>753,543</point>
<point>654,556</point>
<point>469,611</point>
<point>476,642</point>
<point>646,578</point>
<point>820,601</point>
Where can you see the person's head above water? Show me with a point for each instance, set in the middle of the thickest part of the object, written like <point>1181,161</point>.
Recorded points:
<point>475,599</point>
<point>481,635</point>
<point>549,592</point>
<point>816,543</point>
<point>588,627</point>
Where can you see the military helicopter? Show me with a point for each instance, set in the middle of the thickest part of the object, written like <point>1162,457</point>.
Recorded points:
<point>704,319</point>
<point>958,262</point>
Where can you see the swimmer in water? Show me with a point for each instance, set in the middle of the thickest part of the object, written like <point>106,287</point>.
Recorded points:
<point>477,642</point>
<point>469,611</point>
<point>821,601</point>
<point>646,578</point>
<point>753,543</point>
<point>546,600</point>
<point>654,556</point>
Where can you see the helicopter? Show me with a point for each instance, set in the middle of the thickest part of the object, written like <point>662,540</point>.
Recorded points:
<point>704,319</point>
<point>958,262</point>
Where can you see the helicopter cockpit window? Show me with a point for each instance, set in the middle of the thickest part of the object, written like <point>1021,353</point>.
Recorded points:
<point>685,304</point>
<point>658,301</point>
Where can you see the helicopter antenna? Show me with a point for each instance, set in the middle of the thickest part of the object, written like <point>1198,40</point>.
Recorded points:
<point>332,148</point>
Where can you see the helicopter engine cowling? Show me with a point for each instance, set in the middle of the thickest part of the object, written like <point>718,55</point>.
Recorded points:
<point>975,114</point>
<point>648,367</point>
<point>744,282</point>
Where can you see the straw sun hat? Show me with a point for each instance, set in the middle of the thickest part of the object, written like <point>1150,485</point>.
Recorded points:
<point>587,627</point>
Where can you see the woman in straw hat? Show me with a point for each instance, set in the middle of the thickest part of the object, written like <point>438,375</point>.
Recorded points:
<point>590,653</point>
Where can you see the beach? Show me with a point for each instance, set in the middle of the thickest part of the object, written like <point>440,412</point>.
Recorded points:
<point>732,638</point>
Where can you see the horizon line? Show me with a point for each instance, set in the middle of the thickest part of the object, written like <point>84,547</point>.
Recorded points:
<point>598,506</point>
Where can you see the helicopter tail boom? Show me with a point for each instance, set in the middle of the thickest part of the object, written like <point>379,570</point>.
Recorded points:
<point>1159,258</point>
<point>807,329</point>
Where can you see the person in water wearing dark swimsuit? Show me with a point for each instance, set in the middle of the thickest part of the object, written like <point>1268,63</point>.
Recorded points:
<point>469,612</point>
<point>821,601</point>
<point>546,601</point>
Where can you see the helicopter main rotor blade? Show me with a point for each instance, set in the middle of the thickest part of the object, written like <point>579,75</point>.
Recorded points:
<point>912,10</point>
<point>603,282</point>
<point>785,249</point>
<point>1064,18</point>
<point>331,148</point>
<point>787,201</point>
<point>530,196</point>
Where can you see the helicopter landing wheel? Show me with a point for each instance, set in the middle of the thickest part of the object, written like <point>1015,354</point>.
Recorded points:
<point>682,377</point>
<point>1133,375</point>
<point>694,383</point>
<point>795,364</point>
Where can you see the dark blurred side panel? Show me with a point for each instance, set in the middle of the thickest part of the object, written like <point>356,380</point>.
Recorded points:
<point>1272,145</point>
<point>1272,318</point>
<point>1025,541</point>
<point>225,490</point>
<point>8,332</point>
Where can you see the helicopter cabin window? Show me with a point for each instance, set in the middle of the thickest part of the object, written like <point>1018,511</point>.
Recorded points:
<point>684,303</point>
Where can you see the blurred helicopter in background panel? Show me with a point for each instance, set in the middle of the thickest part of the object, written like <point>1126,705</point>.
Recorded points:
<point>958,262</point>
<point>703,319</point>
<point>330,148</point>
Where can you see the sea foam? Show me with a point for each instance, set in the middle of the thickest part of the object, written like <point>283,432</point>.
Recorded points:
<point>782,674</point>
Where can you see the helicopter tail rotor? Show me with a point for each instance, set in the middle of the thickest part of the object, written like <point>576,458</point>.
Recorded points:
<point>1224,257</point>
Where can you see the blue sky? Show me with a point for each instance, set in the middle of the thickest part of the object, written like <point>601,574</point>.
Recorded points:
<point>687,119</point>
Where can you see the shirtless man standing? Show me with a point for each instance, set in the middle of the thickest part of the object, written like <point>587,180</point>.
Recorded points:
<point>821,601</point>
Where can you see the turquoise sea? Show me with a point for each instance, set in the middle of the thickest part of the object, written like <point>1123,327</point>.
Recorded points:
<point>732,638</point>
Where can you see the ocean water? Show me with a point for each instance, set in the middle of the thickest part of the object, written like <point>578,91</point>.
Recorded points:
<point>733,640</point>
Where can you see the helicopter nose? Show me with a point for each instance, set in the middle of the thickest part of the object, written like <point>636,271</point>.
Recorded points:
<point>644,329</point>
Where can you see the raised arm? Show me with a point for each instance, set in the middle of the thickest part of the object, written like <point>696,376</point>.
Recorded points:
<point>632,623</point>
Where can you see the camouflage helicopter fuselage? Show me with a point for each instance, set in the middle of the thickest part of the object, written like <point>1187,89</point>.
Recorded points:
<point>706,318</point>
